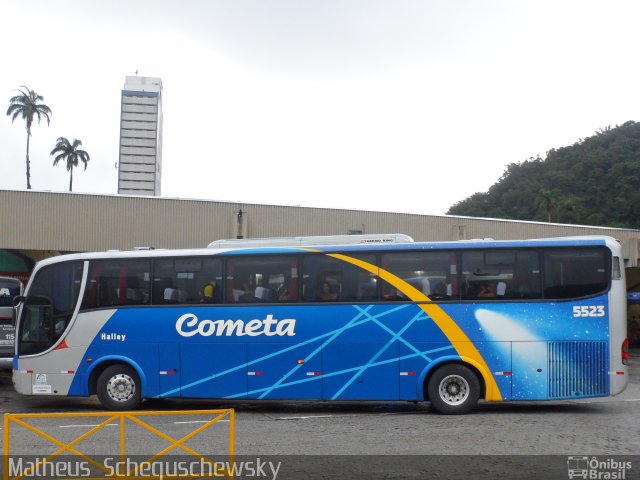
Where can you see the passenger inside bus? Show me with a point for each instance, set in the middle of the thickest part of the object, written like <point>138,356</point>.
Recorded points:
<point>492,290</point>
<point>263,294</point>
<point>208,293</point>
<point>243,294</point>
<point>439,291</point>
<point>487,290</point>
<point>283,293</point>
<point>327,293</point>
<point>391,293</point>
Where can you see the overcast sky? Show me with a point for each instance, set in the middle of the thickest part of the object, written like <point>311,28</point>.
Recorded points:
<point>404,106</point>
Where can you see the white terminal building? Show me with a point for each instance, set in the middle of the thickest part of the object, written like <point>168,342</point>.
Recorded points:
<point>140,164</point>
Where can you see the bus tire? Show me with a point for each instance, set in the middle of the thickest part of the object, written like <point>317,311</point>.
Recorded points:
<point>118,388</point>
<point>453,389</point>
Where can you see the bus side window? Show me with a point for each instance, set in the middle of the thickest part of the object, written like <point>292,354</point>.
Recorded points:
<point>500,274</point>
<point>526,276</point>
<point>330,290</point>
<point>487,274</point>
<point>432,274</point>
<point>186,280</point>
<point>572,273</point>
<point>266,279</point>
<point>106,295</point>
<point>328,279</point>
<point>119,282</point>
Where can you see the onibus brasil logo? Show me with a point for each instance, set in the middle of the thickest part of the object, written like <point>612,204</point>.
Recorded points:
<point>594,468</point>
<point>189,325</point>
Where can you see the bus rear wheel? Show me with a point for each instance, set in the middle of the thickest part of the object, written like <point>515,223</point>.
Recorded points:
<point>453,389</point>
<point>118,388</point>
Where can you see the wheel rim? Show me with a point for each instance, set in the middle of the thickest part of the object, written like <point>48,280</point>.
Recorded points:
<point>121,387</point>
<point>453,390</point>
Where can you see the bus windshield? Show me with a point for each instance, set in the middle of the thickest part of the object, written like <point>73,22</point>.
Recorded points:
<point>48,307</point>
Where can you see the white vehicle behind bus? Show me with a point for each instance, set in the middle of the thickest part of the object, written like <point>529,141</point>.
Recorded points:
<point>9,289</point>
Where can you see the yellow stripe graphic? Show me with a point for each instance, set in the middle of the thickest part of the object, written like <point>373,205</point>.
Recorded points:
<point>464,347</point>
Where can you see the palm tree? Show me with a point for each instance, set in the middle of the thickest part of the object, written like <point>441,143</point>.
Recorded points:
<point>71,154</point>
<point>546,201</point>
<point>28,106</point>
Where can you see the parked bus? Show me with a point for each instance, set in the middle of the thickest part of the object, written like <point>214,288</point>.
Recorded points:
<point>446,322</point>
<point>9,289</point>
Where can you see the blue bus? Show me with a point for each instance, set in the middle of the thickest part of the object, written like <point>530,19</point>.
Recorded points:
<point>446,322</point>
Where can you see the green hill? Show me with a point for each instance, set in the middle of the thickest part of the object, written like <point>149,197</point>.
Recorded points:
<point>595,181</point>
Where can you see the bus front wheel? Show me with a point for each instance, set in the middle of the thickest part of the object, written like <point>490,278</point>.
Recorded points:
<point>118,388</point>
<point>453,389</point>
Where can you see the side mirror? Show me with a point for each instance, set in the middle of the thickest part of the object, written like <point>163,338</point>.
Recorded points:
<point>17,300</point>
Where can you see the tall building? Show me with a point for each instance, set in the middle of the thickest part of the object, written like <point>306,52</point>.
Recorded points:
<point>140,165</point>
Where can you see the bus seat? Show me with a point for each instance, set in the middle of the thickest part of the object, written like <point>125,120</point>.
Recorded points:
<point>263,293</point>
<point>174,295</point>
<point>426,286</point>
<point>171,295</point>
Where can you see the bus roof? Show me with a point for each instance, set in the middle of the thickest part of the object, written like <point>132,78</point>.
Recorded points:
<point>311,241</point>
<point>387,246</point>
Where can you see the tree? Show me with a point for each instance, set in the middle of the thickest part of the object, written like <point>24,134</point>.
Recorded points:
<point>546,201</point>
<point>594,180</point>
<point>71,154</point>
<point>28,106</point>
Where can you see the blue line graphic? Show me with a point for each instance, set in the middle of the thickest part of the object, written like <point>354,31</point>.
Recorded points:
<point>319,349</point>
<point>395,337</point>
<point>346,370</point>
<point>357,323</point>
<point>405,342</point>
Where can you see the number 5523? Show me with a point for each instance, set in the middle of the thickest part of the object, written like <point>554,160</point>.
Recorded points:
<point>588,311</point>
